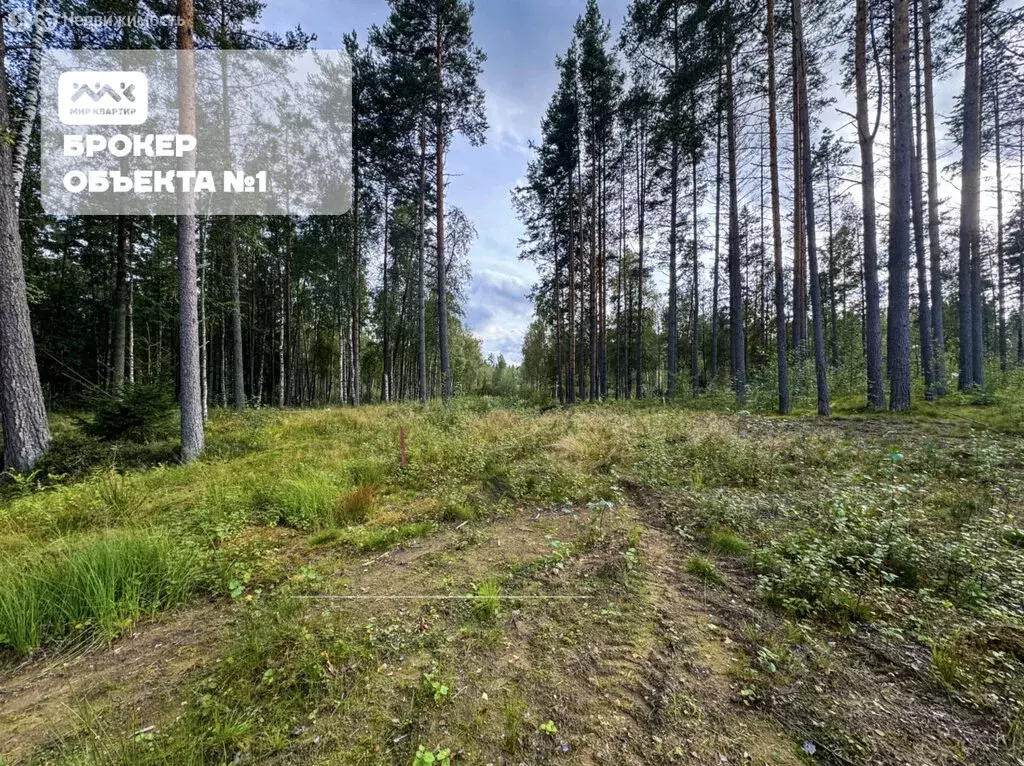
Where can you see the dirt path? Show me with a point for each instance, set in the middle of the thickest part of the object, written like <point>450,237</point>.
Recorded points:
<point>41,701</point>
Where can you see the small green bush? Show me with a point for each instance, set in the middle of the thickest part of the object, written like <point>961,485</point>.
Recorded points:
<point>142,414</point>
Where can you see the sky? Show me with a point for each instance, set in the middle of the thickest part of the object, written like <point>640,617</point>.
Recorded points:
<point>521,39</point>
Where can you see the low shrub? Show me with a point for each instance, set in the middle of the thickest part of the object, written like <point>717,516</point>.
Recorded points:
<point>142,414</point>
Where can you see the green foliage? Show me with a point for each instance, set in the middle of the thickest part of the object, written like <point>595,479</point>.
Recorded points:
<point>121,498</point>
<point>143,413</point>
<point>94,587</point>
<point>725,543</point>
<point>514,709</point>
<point>486,601</point>
<point>704,570</point>
<point>440,757</point>
<point>436,688</point>
<point>949,661</point>
<point>303,503</point>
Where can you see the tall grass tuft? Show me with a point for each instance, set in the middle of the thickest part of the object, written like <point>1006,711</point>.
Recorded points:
<point>354,507</point>
<point>306,503</point>
<point>94,588</point>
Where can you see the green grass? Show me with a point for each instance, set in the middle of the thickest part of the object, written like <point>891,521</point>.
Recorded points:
<point>908,523</point>
<point>301,503</point>
<point>725,543</point>
<point>370,539</point>
<point>486,601</point>
<point>704,570</point>
<point>93,587</point>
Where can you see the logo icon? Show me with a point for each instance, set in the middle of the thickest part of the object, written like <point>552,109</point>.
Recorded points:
<point>103,98</point>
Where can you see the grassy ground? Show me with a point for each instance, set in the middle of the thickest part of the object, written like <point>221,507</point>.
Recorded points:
<point>617,584</point>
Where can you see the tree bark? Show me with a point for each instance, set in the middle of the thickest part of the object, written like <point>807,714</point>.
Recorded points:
<point>442,287</point>
<point>899,238</point>
<point>817,309</point>
<point>780,285</point>
<point>934,245</point>
<point>120,308</point>
<point>739,365</point>
<point>421,247</point>
<point>1000,266</point>
<point>969,211</point>
<point>866,139</point>
<point>718,235</point>
<point>26,433</point>
<point>28,119</point>
<point>192,436</point>
<point>917,209</point>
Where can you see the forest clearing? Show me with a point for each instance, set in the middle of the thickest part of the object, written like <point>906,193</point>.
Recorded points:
<point>578,382</point>
<point>630,583</point>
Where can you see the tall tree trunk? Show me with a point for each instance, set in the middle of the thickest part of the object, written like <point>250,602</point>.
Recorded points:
<point>421,254</point>
<point>131,308</point>
<point>917,209</point>
<point>739,365</point>
<point>780,285</point>
<point>192,436</point>
<point>26,433</point>
<point>970,199</point>
<point>593,274</point>
<point>237,360</point>
<point>833,319</point>
<point>1000,266</point>
<point>641,193</point>
<point>799,235</point>
<point>357,263</point>
<point>695,292</point>
<point>899,239</point>
<point>31,102</point>
<point>817,309</point>
<point>718,234</point>
<point>120,307</point>
<point>571,256</point>
<point>385,382</point>
<point>1020,258</point>
<point>673,277</point>
<point>934,245</point>
<point>866,139</point>
<point>204,352</point>
<point>977,257</point>
<point>442,287</point>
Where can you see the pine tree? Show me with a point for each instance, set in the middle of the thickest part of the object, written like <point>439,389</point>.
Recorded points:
<point>26,433</point>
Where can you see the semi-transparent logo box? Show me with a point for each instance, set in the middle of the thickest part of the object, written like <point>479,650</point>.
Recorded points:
<point>273,133</point>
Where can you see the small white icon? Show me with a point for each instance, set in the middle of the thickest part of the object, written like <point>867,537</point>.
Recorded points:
<point>103,98</point>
